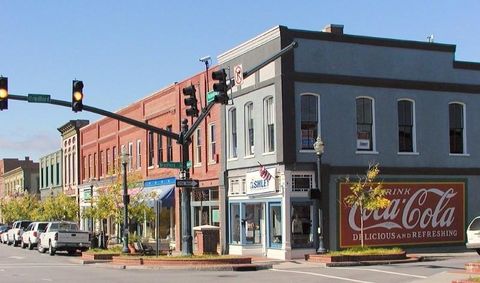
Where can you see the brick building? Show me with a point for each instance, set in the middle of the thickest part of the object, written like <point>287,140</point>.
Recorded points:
<point>102,143</point>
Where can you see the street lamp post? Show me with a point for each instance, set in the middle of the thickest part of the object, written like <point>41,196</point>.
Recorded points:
<point>126,200</point>
<point>91,207</point>
<point>319,148</point>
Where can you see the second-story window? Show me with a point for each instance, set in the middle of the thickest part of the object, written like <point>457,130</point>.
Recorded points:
<point>309,120</point>
<point>114,159</point>
<point>94,167</point>
<point>198,146</point>
<point>169,146</point>
<point>212,150</point>
<point>107,164</point>
<point>232,117</point>
<point>139,154</point>
<point>159,149</point>
<point>365,122</point>
<point>269,124</point>
<point>130,156</point>
<point>150,149</point>
<point>405,126</point>
<point>100,168</point>
<point>249,130</point>
<point>457,128</point>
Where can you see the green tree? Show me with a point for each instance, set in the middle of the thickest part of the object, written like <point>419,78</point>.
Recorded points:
<point>367,194</point>
<point>59,207</point>
<point>19,207</point>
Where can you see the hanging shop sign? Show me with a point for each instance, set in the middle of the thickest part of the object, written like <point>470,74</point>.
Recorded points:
<point>419,213</point>
<point>260,182</point>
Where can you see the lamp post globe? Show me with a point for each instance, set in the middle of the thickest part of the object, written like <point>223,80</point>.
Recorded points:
<point>319,148</point>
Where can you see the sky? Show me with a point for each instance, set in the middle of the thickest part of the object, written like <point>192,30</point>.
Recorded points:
<point>126,50</point>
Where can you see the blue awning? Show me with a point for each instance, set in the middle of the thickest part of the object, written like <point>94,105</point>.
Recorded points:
<point>164,191</point>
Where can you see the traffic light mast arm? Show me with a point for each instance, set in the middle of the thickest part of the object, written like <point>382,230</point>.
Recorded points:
<point>289,47</point>
<point>107,114</point>
<point>197,122</point>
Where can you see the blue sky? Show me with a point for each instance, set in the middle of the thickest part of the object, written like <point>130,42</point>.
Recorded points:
<point>125,50</point>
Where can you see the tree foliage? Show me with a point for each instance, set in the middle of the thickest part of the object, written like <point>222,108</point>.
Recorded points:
<point>367,194</point>
<point>59,207</point>
<point>19,207</point>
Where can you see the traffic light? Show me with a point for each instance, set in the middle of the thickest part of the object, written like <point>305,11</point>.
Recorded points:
<point>221,86</point>
<point>3,93</point>
<point>77,95</point>
<point>190,100</point>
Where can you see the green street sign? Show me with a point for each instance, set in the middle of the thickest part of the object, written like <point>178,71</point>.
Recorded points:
<point>211,95</point>
<point>38,98</point>
<point>177,165</point>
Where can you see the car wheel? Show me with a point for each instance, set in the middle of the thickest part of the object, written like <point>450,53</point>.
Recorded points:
<point>30,246</point>
<point>40,249</point>
<point>15,243</point>
<point>71,252</point>
<point>51,250</point>
<point>8,241</point>
<point>23,245</point>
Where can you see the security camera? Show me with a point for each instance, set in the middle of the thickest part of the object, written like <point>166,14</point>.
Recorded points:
<point>205,59</point>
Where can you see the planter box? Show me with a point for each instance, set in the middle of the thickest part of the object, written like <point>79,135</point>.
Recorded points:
<point>473,267</point>
<point>94,256</point>
<point>354,258</point>
<point>126,260</point>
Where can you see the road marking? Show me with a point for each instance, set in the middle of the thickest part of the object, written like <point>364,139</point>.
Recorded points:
<point>47,279</point>
<point>322,275</point>
<point>385,271</point>
<point>16,257</point>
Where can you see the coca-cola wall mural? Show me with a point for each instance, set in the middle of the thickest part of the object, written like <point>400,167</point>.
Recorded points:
<point>419,213</point>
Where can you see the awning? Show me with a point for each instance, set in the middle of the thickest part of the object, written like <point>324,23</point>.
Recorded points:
<point>164,191</point>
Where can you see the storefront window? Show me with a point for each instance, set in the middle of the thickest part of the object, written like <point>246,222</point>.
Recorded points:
<point>235,223</point>
<point>201,215</point>
<point>251,223</point>
<point>275,225</point>
<point>302,236</point>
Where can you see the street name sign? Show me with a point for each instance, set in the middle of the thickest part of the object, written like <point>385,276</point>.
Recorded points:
<point>211,95</point>
<point>38,98</point>
<point>177,165</point>
<point>187,183</point>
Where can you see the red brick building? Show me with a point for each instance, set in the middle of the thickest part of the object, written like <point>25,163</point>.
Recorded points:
<point>102,143</point>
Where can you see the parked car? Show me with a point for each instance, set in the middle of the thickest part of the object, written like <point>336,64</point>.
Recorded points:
<point>14,235</point>
<point>32,233</point>
<point>63,236</point>
<point>473,235</point>
<point>3,232</point>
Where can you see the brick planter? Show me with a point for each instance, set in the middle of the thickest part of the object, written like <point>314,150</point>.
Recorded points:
<point>94,256</point>
<point>354,258</point>
<point>162,261</point>
<point>473,267</point>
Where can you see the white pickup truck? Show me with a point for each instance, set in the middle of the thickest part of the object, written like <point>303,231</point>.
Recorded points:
<point>63,236</point>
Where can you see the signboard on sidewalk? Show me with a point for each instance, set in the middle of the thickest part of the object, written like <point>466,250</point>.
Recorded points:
<point>419,213</point>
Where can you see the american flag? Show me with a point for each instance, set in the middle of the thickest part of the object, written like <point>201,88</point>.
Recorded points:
<point>264,173</point>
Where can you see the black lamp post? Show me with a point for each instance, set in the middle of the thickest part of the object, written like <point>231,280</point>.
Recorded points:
<point>91,206</point>
<point>126,200</point>
<point>319,148</point>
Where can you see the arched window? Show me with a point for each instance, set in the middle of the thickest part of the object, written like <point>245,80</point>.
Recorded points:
<point>249,130</point>
<point>365,124</point>
<point>269,124</point>
<point>456,113</point>
<point>406,126</point>
<point>309,120</point>
<point>232,133</point>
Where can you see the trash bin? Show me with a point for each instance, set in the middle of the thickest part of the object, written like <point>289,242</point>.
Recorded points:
<point>207,239</point>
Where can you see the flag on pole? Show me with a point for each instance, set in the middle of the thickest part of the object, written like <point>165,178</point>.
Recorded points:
<point>264,173</point>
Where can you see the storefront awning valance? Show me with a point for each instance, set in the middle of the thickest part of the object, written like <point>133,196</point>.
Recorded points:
<point>163,189</point>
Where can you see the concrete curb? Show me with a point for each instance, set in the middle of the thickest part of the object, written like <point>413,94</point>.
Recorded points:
<point>367,263</point>
<point>239,267</point>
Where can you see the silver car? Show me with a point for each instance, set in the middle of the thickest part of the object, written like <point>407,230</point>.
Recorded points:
<point>473,235</point>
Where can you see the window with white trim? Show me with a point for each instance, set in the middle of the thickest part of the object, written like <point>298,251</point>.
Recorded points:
<point>365,124</point>
<point>309,120</point>
<point>212,143</point>
<point>456,113</point>
<point>269,124</point>
<point>150,149</point>
<point>232,133</point>
<point>406,126</point>
<point>130,156</point>
<point>198,146</point>
<point>249,130</point>
<point>302,182</point>
<point>139,154</point>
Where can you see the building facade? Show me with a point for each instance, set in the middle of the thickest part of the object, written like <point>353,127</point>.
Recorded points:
<point>405,105</point>
<point>50,180</point>
<point>152,158</point>
<point>23,179</point>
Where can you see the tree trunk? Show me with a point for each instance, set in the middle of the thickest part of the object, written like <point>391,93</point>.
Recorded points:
<point>362,212</point>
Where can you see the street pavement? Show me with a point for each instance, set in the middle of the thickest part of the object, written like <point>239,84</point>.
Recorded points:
<point>18,265</point>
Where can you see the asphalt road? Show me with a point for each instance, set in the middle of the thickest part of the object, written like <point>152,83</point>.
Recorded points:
<point>18,265</point>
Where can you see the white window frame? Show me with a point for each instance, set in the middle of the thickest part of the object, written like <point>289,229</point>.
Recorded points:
<point>464,134</point>
<point>231,150</point>
<point>139,154</point>
<point>212,143</point>
<point>319,129</point>
<point>130,157</point>
<point>198,146</point>
<point>266,134</point>
<point>374,143</point>
<point>248,115</point>
<point>414,128</point>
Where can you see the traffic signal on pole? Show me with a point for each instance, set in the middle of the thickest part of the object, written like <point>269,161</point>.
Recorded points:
<point>3,93</point>
<point>190,100</point>
<point>221,86</point>
<point>77,95</point>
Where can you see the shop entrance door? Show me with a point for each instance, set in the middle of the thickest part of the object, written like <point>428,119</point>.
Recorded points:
<point>254,223</point>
